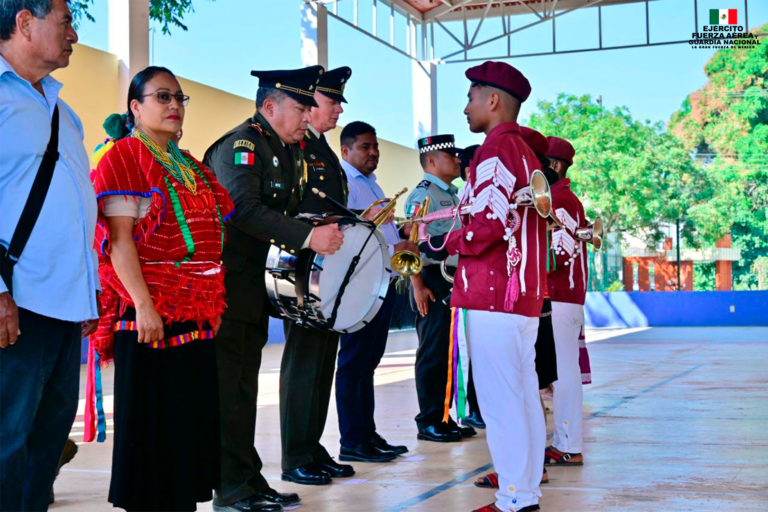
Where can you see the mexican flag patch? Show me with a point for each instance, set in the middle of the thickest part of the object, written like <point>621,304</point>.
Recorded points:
<point>244,158</point>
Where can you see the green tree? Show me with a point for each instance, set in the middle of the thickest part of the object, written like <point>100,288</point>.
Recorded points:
<point>634,175</point>
<point>726,124</point>
<point>166,12</point>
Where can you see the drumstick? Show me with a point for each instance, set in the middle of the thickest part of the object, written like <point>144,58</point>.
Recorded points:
<point>337,204</point>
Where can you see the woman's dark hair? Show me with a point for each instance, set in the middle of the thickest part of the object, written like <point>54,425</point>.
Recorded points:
<point>138,85</point>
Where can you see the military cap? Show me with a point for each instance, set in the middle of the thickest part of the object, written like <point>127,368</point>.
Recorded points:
<point>561,149</point>
<point>535,140</point>
<point>299,84</point>
<point>444,143</point>
<point>332,83</point>
<point>501,76</point>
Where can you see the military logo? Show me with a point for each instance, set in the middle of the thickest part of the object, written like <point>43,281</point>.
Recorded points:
<point>244,158</point>
<point>245,144</point>
<point>275,161</point>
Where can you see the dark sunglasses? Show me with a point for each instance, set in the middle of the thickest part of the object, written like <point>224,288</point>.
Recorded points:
<point>164,98</point>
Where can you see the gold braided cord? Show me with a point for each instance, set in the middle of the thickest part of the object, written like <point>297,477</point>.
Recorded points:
<point>332,91</point>
<point>294,89</point>
<point>172,160</point>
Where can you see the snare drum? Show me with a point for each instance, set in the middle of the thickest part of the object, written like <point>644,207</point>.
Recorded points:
<point>307,287</point>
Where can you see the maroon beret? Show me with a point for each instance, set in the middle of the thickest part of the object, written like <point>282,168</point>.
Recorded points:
<point>536,141</point>
<point>502,76</point>
<point>561,149</point>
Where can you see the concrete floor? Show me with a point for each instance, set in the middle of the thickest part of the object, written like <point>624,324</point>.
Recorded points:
<point>676,419</point>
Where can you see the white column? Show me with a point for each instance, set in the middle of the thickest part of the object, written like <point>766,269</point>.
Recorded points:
<point>314,34</point>
<point>129,40</point>
<point>424,87</point>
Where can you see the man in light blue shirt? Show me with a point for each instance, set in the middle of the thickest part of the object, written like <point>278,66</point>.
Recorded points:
<point>360,352</point>
<point>55,281</point>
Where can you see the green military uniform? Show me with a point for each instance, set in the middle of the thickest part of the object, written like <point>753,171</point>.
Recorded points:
<point>264,178</point>
<point>309,357</point>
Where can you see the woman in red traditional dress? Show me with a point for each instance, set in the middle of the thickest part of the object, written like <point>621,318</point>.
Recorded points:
<point>160,237</point>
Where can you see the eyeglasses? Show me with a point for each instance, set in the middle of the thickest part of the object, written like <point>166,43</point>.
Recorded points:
<point>164,97</point>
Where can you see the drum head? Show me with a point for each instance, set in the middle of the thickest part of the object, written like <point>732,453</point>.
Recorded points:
<point>367,288</point>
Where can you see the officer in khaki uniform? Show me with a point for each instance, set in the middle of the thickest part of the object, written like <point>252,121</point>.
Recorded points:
<point>309,356</point>
<point>439,159</point>
<point>260,163</point>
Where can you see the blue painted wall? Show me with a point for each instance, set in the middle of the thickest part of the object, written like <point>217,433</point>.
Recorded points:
<point>676,309</point>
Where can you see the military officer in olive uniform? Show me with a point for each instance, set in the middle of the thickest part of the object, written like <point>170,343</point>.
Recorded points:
<point>309,356</point>
<point>260,163</point>
<point>441,163</point>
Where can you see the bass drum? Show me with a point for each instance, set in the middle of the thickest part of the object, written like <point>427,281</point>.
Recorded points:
<point>307,287</point>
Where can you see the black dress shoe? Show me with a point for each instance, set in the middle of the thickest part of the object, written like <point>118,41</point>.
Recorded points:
<point>335,469</point>
<point>250,504</point>
<point>281,498</point>
<point>439,433</point>
<point>310,474</point>
<point>464,432</point>
<point>474,420</point>
<point>366,452</point>
<point>381,443</point>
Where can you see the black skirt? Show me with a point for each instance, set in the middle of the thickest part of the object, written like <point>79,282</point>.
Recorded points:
<point>166,442</point>
<point>546,360</point>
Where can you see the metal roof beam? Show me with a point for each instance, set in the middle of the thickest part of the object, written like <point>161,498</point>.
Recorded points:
<point>406,9</point>
<point>445,9</point>
<point>539,22</point>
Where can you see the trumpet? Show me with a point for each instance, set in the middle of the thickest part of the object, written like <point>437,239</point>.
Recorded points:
<point>385,212</point>
<point>592,234</point>
<point>536,195</point>
<point>407,263</point>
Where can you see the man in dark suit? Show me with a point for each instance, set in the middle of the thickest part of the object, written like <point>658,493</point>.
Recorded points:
<point>309,357</point>
<point>261,165</point>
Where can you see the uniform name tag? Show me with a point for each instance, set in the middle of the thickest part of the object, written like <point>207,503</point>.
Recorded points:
<point>446,203</point>
<point>278,184</point>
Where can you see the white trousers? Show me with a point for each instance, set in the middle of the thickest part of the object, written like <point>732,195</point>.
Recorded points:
<point>568,396</point>
<point>502,348</point>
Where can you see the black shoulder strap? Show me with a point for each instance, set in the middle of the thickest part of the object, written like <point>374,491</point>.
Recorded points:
<point>34,204</point>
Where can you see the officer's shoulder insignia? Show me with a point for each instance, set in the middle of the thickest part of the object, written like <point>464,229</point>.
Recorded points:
<point>424,184</point>
<point>259,129</point>
<point>242,143</point>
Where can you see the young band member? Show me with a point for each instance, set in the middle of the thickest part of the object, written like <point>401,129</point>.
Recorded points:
<point>567,289</point>
<point>309,356</point>
<point>261,164</point>
<point>438,158</point>
<point>546,363</point>
<point>498,288</point>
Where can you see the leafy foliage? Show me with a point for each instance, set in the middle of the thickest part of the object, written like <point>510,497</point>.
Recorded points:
<point>635,176</point>
<point>169,13</point>
<point>726,124</point>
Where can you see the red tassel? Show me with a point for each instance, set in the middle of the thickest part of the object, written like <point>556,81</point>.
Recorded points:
<point>513,291</point>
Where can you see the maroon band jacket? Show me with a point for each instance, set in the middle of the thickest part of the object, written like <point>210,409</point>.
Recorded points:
<point>568,281</point>
<point>501,166</point>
